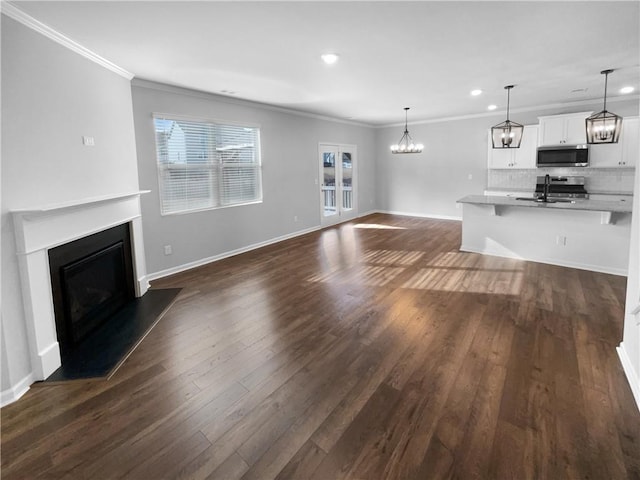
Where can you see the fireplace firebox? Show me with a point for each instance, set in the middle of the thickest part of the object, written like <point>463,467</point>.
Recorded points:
<point>91,279</point>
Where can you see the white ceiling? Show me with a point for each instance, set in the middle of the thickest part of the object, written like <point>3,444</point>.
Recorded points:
<point>425,55</point>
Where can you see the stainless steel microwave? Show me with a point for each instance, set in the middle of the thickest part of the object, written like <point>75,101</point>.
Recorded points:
<point>563,156</point>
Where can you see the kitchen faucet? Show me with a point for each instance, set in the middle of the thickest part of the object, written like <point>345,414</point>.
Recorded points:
<point>545,191</point>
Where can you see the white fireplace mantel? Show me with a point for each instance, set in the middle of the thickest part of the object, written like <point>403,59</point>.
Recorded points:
<point>38,229</point>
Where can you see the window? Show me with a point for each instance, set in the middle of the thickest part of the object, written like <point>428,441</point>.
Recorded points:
<point>204,165</point>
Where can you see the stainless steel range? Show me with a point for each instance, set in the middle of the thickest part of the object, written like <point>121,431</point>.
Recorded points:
<point>562,187</point>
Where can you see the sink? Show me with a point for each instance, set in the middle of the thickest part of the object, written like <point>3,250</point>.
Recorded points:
<point>530,199</point>
<point>550,200</point>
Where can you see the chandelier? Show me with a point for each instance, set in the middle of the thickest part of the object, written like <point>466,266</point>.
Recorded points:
<point>507,134</point>
<point>604,127</point>
<point>406,145</point>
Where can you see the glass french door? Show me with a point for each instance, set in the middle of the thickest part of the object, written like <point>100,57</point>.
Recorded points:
<point>337,183</point>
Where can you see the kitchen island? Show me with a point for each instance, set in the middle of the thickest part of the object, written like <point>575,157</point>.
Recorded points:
<point>587,234</point>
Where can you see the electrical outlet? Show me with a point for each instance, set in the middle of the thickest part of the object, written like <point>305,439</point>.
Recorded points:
<point>295,218</point>
<point>168,250</point>
<point>89,141</point>
<point>561,240</point>
<point>470,177</point>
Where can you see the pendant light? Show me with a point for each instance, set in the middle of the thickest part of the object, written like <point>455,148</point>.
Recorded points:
<point>507,134</point>
<point>604,127</point>
<point>406,145</point>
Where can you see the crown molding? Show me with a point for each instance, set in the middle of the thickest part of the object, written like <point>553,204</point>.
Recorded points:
<point>18,15</point>
<point>534,108</point>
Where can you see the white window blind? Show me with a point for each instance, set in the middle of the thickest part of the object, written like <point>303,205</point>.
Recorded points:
<point>203,165</point>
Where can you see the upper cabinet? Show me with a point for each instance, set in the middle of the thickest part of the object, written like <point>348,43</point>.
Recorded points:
<point>523,157</point>
<point>621,154</point>
<point>566,129</point>
<point>569,129</point>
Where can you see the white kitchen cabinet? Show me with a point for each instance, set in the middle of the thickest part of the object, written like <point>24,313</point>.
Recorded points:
<point>500,157</point>
<point>564,129</point>
<point>621,154</point>
<point>523,157</point>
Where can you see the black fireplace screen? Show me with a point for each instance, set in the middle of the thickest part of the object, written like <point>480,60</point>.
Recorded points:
<point>91,279</point>
<point>94,288</point>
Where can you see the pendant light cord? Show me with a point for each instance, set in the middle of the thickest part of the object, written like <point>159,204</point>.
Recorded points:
<point>508,89</point>
<point>606,77</point>
<point>406,128</point>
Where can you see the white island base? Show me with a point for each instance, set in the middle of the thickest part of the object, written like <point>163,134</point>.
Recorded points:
<point>588,235</point>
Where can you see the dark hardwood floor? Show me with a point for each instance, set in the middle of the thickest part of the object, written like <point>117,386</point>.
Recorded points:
<point>373,350</point>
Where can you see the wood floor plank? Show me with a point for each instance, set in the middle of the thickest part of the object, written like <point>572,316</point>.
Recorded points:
<point>507,458</point>
<point>472,455</point>
<point>232,468</point>
<point>456,418</point>
<point>301,394</point>
<point>603,432</point>
<point>181,422</point>
<point>303,463</point>
<point>281,448</point>
<point>425,396</point>
<point>367,425</point>
<point>626,422</point>
<point>169,460</point>
<point>372,349</point>
<point>340,418</point>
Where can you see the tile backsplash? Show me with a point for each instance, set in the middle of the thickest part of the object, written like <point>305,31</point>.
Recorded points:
<point>597,180</point>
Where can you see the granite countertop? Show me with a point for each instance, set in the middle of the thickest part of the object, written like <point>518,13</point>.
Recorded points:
<point>620,206</point>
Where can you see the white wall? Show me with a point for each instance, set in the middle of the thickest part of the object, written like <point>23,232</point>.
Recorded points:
<point>430,183</point>
<point>289,148</point>
<point>51,97</point>
<point>629,349</point>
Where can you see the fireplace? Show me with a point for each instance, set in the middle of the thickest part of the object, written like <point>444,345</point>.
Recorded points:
<point>91,279</point>
<point>38,231</point>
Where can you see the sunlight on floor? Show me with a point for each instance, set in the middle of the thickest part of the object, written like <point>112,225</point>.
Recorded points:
<point>381,266</point>
<point>451,271</point>
<point>389,257</point>
<point>339,249</point>
<point>376,276</point>
<point>464,272</point>
<point>378,226</point>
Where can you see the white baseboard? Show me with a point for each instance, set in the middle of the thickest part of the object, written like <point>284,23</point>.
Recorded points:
<point>370,212</point>
<point>632,376</point>
<point>48,362</point>
<point>18,390</point>
<point>143,286</point>
<point>221,256</point>
<point>422,215</point>
<point>548,261</point>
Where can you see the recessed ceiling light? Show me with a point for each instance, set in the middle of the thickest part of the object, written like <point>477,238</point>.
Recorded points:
<point>476,92</point>
<point>626,89</point>
<point>329,58</point>
<point>492,107</point>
